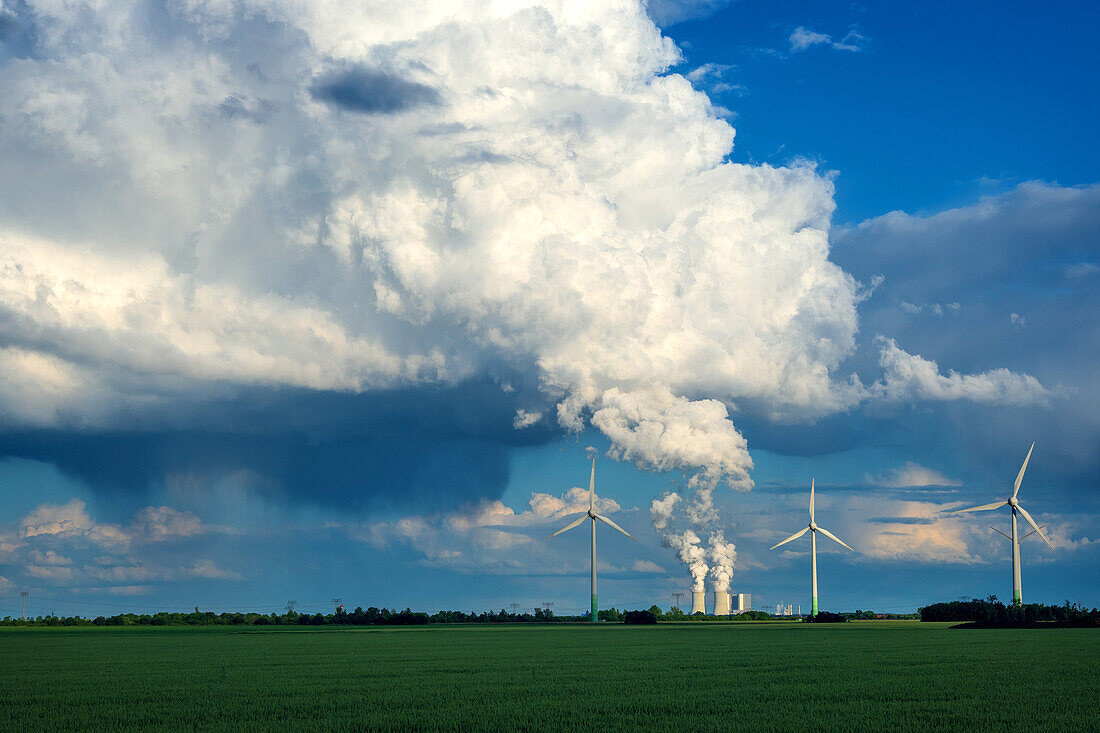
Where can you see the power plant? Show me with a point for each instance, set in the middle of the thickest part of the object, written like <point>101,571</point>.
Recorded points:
<point>725,603</point>
<point>698,602</point>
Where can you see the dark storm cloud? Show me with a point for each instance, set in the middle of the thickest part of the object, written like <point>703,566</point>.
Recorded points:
<point>953,280</point>
<point>423,448</point>
<point>1010,281</point>
<point>826,435</point>
<point>371,91</point>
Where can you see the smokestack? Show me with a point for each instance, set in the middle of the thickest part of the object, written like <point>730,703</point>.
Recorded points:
<point>721,603</point>
<point>698,601</point>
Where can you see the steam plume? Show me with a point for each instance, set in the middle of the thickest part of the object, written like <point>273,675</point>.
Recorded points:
<point>722,557</point>
<point>692,554</point>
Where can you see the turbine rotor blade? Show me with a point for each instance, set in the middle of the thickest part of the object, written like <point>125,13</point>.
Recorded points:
<point>811,500</point>
<point>1020,475</point>
<point>832,536</point>
<point>1041,526</point>
<point>570,526</point>
<point>1002,534</point>
<point>792,537</point>
<point>611,524</point>
<point>1034,525</point>
<point>982,508</point>
<point>592,485</point>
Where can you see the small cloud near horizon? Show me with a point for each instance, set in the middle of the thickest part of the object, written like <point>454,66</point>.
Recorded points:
<point>911,475</point>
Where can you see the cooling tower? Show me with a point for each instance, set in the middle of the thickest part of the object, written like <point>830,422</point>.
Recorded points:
<point>698,602</point>
<point>721,603</point>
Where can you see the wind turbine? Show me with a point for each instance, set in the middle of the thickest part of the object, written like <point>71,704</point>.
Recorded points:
<point>592,515</point>
<point>813,529</point>
<point>1017,586</point>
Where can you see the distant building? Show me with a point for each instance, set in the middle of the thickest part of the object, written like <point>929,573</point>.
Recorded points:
<point>740,602</point>
<point>781,610</point>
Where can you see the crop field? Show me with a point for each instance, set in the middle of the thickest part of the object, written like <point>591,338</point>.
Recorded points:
<point>869,676</point>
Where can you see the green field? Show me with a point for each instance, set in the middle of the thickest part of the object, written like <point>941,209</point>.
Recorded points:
<point>869,676</point>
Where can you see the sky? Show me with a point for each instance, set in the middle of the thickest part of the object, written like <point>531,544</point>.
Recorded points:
<point>306,301</point>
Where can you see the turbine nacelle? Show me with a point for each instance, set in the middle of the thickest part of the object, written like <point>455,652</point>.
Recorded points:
<point>813,526</point>
<point>1013,502</point>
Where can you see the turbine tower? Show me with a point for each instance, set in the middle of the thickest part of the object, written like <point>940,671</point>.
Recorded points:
<point>1009,537</point>
<point>813,529</point>
<point>1017,586</point>
<point>593,516</point>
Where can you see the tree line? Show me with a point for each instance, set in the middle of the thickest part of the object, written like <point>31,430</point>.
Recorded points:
<point>374,616</point>
<point>371,616</point>
<point>359,617</point>
<point>992,613</point>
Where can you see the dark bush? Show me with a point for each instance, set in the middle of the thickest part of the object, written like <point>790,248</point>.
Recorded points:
<point>639,617</point>
<point>825,617</point>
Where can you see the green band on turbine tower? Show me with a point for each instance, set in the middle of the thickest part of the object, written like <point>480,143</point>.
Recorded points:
<point>1017,598</point>
<point>813,607</point>
<point>595,615</point>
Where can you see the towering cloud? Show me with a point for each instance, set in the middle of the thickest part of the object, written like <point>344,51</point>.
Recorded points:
<point>344,196</point>
<point>347,196</point>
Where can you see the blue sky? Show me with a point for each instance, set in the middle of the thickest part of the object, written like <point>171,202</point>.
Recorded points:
<point>940,104</point>
<point>323,302</point>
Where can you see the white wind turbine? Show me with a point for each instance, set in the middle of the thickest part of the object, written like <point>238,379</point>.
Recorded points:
<point>592,515</point>
<point>1017,586</point>
<point>813,529</point>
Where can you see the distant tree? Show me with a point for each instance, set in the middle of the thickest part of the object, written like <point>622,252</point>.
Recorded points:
<point>752,616</point>
<point>610,614</point>
<point>640,617</point>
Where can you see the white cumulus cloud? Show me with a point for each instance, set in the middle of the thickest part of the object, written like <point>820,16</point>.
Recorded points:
<point>366,195</point>
<point>802,38</point>
<point>910,377</point>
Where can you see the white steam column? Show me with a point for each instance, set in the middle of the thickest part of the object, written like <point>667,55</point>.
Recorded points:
<point>698,602</point>
<point>721,603</point>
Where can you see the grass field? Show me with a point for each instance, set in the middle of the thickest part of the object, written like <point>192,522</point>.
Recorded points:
<point>869,676</point>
